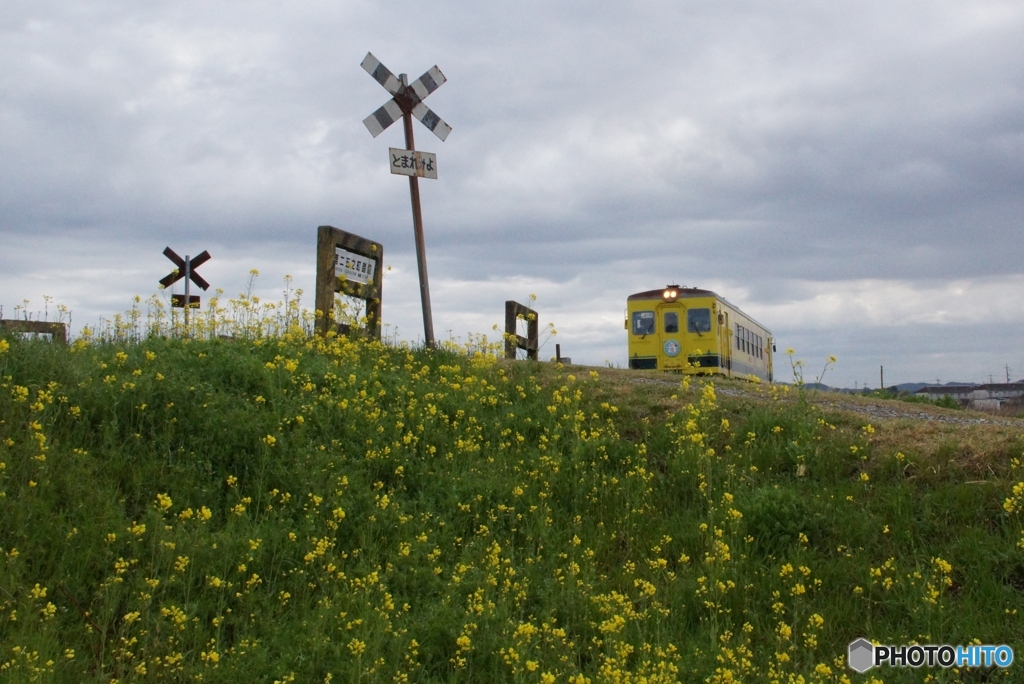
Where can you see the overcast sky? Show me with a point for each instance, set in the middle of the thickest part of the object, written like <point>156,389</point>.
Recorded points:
<point>850,174</point>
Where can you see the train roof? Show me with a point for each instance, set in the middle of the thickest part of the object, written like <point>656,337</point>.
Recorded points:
<point>690,292</point>
<point>683,292</point>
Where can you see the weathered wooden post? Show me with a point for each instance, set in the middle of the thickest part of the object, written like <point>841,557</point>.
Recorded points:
<point>513,340</point>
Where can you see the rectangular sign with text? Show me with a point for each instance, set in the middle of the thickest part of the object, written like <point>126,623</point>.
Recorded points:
<point>353,266</point>
<point>412,163</point>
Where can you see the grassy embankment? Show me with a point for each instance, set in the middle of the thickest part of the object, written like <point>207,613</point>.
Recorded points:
<point>282,508</point>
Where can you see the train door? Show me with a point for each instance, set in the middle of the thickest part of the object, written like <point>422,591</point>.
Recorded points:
<point>702,342</point>
<point>670,337</point>
<point>725,342</point>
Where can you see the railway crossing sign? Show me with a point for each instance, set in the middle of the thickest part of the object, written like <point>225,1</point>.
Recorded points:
<point>186,268</point>
<point>407,102</point>
<point>408,99</point>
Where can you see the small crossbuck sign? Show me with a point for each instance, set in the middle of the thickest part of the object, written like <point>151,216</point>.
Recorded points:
<point>179,273</point>
<point>407,99</point>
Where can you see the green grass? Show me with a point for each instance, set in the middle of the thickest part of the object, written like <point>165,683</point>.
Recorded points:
<point>942,402</point>
<point>282,508</point>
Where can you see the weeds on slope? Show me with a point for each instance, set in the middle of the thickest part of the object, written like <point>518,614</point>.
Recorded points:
<point>279,507</point>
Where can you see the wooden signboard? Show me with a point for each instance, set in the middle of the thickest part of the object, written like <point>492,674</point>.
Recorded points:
<point>351,265</point>
<point>58,332</point>
<point>513,340</point>
<point>178,301</point>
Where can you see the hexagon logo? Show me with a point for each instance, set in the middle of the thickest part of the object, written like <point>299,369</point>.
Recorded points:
<point>861,656</point>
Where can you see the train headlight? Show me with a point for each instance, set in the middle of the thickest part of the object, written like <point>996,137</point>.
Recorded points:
<point>669,295</point>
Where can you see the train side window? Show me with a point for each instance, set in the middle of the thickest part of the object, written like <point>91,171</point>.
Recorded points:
<point>698,320</point>
<point>671,323</point>
<point>643,322</point>
<point>739,328</point>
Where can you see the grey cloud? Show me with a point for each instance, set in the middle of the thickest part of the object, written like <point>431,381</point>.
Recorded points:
<point>598,148</point>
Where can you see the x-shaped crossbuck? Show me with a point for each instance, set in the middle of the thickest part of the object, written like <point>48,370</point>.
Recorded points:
<point>407,99</point>
<point>193,263</point>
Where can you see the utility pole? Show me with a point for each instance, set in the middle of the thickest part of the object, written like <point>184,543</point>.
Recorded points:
<point>881,377</point>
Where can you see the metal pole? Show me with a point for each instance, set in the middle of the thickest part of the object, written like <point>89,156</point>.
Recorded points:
<point>188,279</point>
<point>417,227</point>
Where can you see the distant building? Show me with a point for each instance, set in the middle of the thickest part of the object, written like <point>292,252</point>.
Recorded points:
<point>990,397</point>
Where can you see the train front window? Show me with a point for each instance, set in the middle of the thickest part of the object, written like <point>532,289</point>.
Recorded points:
<point>643,322</point>
<point>698,320</point>
<point>671,322</point>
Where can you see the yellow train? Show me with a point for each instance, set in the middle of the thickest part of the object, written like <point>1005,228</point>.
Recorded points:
<point>689,330</point>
